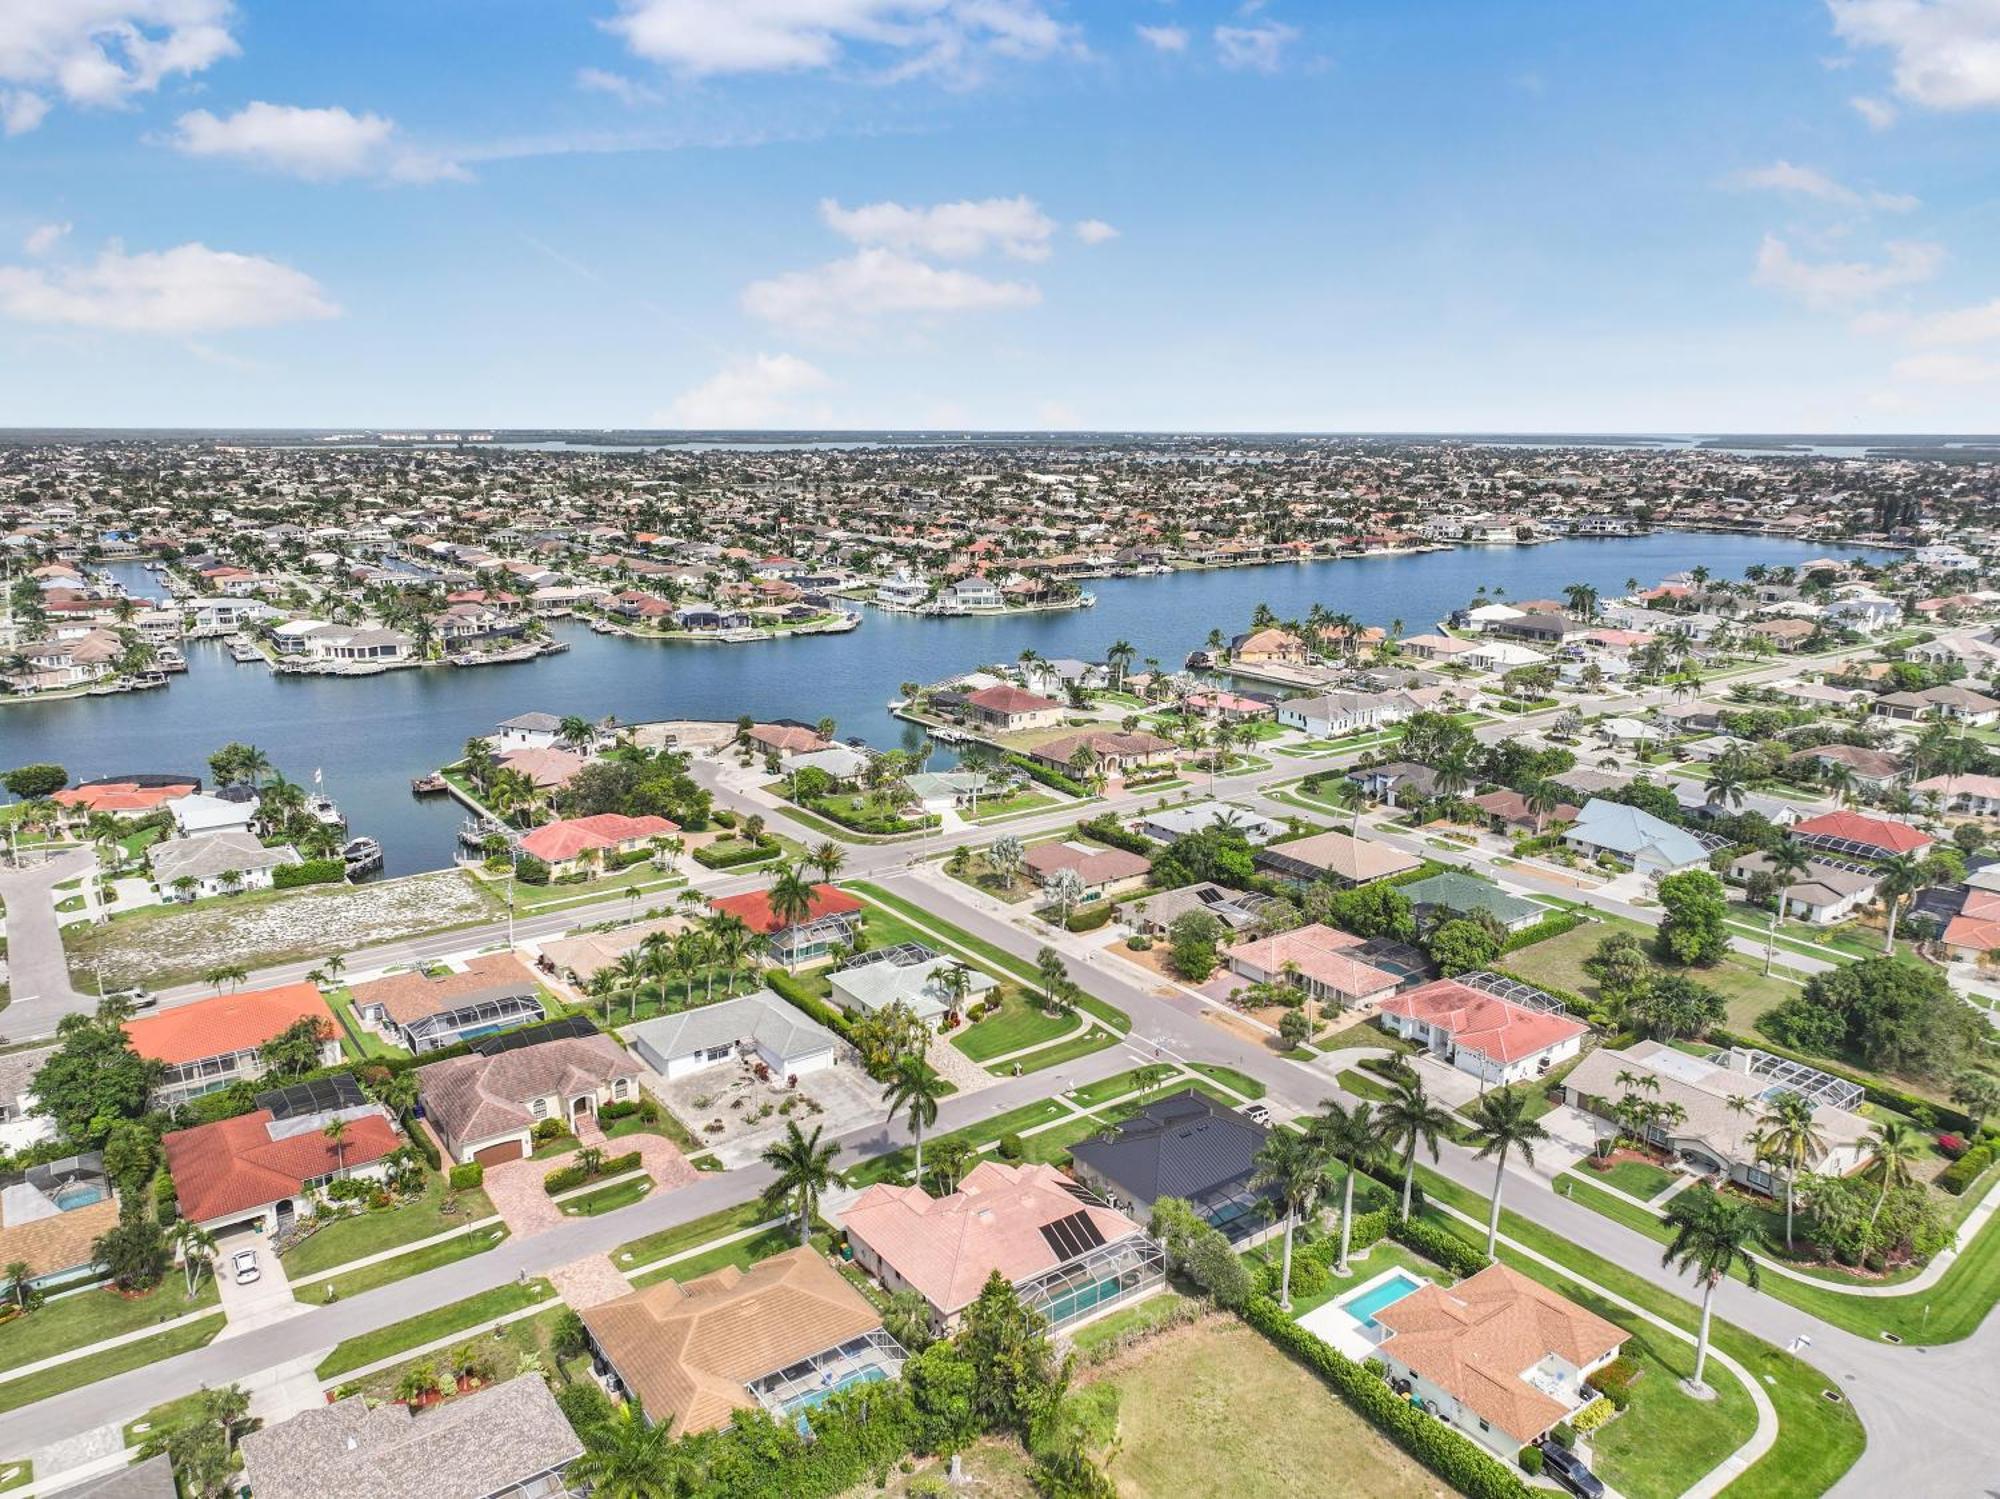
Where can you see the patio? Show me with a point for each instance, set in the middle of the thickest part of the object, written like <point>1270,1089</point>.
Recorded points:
<point>735,1115</point>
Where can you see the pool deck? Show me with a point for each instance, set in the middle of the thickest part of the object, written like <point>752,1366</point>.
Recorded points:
<point>1334,1324</point>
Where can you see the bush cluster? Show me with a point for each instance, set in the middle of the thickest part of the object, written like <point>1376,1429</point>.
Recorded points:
<point>729,855</point>
<point>1967,1169</point>
<point>311,872</point>
<point>467,1176</point>
<point>573,1175</point>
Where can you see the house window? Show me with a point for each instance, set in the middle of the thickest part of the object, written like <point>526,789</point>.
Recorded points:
<point>539,1108</point>
<point>1483,1426</point>
<point>619,1088</point>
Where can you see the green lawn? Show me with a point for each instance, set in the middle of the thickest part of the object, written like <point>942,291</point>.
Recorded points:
<point>1558,963</point>
<point>88,1317</point>
<point>1093,1040</point>
<point>1090,1095</point>
<point>16,1475</point>
<point>685,1236</point>
<point>898,1162</point>
<point>1364,1085</point>
<point>742,1254</point>
<point>1019,1024</point>
<point>163,1417</point>
<point>440,1322</point>
<point>650,883</point>
<point>1640,1179</point>
<point>140,1354</point>
<point>398,1267</point>
<point>1229,1077</point>
<point>608,1199</point>
<point>1009,806</point>
<point>359,1041</point>
<point>1149,1313</point>
<point>1051,1147</point>
<point>371,1232</point>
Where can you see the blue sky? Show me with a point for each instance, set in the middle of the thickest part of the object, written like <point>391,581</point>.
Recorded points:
<point>1157,214</point>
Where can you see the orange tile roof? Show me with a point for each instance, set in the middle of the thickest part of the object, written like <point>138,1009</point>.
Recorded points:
<point>1855,827</point>
<point>560,841</point>
<point>409,997</point>
<point>234,1165</point>
<point>1482,1022</point>
<point>119,796</point>
<point>753,908</point>
<point>227,1023</point>
<point>1319,953</point>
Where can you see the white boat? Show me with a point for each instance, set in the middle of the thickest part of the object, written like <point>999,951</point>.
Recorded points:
<point>323,808</point>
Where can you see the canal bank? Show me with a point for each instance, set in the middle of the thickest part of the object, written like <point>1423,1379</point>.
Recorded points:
<point>369,736</point>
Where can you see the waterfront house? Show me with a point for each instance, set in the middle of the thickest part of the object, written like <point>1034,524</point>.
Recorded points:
<point>1316,959</point>
<point>257,1170</point>
<point>126,795</point>
<point>485,1106</point>
<point>1633,839</point>
<point>1068,1256</point>
<point>1187,1146</point>
<point>1101,869</point>
<point>1721,1098</point>
<point>506,1441</point>
<point>758,1026</point>
<point>1858,835</point>
<point>843,762</point>
<point>222,863</point>
<point>776,1336</point>
<point>1262,647</point>
<point>199,812</point>
<point>1111,753</point>
<point>1008,710</point>
<point>911,976</point>
<point>208,1044</point>
<point>1497,1040</point>
<point>605,840</point>
<point>526,731</point>
<point>1231,707</point>
<point>831,921</point>
<point>1337,857</point>
<point>548,769</point>
<point>788,739</point>
<point>1170,825</point>
<point>968,595</point>
<point>1331,715</point>
<point>427,1011</point>
<point>1498,1356</point>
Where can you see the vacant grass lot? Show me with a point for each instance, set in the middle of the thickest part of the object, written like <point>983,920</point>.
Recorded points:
<point>1558,963</point>
<point>1215,1412</point>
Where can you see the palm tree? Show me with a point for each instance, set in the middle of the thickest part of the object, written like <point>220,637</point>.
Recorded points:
<point>1901,876</point>
<point>1408,1119</point>
<point>1541,799</point>
<point>1897,1147</point>
<point>1788,1138</point>
<point>732,941</point>
<point>1296,1166</point>
<point>805,1170</point>
<point>575,732</point>
<point>1354,1138</point>
<point>1786,863</point>
<point>1348,796</point>
<point>827,859</point>
<point>1711,1237</point>
<point>914,1089</point>
<point>791,896</point>
<point>19,1273</point>
<point>1120,658</point>
<point>336,1136</point>
<point>628,1457</point>
<point>196,1246</point>
<point>1503,1126</point>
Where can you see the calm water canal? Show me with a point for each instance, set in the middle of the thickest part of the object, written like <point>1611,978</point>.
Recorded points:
<point>370,735</point>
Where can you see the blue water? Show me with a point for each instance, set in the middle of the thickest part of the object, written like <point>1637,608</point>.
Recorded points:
<point>873,1374</point>
<point>370,735</point>
<point>80,1195</point>
<point>1364,1307</point>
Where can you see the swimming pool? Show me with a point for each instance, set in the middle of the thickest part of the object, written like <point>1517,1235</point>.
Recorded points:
<point>1365,1304</point>
<point>813,1399</point>
<point>79,1195</point>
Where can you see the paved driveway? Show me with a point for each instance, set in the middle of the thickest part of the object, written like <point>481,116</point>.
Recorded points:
<point>265,1300</point>
<point>515,1187</point>
<point>39,973</point>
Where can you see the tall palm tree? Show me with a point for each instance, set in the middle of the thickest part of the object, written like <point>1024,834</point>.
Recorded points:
<point>1354,1138</point>
<point>791,896</point>
<point>1896,1148</point>
<point>1711,1238</point>
<point>1901,876</point>
<point>1120,658</point>
<point>196,1246</point>
<point>1788,1138</point>
<point>733,941</point>
<point>914,1088</point>
<point>827,859</point>
<point>1296,1165</point>
<point>1408,1119</point>
<point>1502,1126</point>
<point>627,1457</point>
<point>805,1170</point>
<point>1786,862</point>
<point>336,1136</point>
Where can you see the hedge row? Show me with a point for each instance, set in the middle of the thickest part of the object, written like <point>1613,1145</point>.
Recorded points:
<point>311,872</point>
<point>787,987</point>
<point>1035,770</point>
<point>1089,918</point>
<point>1107,829</point>
<point>573,1175</point>
<point>1955,1120</point>
<point>1552,925</point>
<point>1439,1247</point>
<point>729,855</point>
<point>1967,1169</point>
<point>1454,1458</point>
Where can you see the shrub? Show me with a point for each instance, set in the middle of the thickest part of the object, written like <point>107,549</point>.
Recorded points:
<point>467,1176</point>
<point>1951,1146</point>
<point>550,1129</point>
<point>787,987</point>
<point>729,855</point>
<point>1967,1169</point>
<point>311,872</point>
<point>1011,1148</point>
<point>630,857</point>
<point>1553,925</point>
<point>1591,1417</point>
<point>1614,1381</point>
<point>618,1109</point>
<point>1530,1459</point>
<point>1310,1275</point>
<point>1563,1434</point>
<point>1048,776</point>
<point>584,1405</point>
<point>1440,1247</point>
<point>1089,918</point>
<point>1140,942</point>
<point>1106,829</point>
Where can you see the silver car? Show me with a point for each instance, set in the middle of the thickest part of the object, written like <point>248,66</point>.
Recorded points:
<point>244,1263</point>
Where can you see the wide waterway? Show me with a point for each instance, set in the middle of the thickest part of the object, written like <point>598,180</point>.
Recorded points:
<point>370,735</point>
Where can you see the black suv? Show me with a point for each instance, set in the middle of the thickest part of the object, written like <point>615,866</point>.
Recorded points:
<point>1567,1469</point>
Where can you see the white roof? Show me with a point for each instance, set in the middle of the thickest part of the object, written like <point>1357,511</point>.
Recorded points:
<point>761,1017</point>
<point>876,986</point>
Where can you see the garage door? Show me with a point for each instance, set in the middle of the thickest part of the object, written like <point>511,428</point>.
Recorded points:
<point>499,1155</point>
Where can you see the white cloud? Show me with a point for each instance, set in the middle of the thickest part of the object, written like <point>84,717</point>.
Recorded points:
<point>1164,38</point>
<point>43,238</point>
<point>953,231</point>
<point>760,391</point>
<point>320,145</point>
<point>188,289</point>
<point>1809,182</point>
<point>1946,369</point>
<point>1833,282</point>
<point>1946,52</point>
<point>1094,231</point>
<point>857,292</point>
<point>1963,325</point>
<point>101,52</point>
<point>762,36</point>
<point>617,85</point>
<point>1879,113</point>
<point>1258,48</point>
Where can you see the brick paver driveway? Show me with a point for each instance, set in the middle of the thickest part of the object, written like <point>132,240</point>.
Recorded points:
<point>516,1186</point>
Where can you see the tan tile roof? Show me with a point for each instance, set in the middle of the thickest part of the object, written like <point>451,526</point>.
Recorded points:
<point>61,1241</point>
<point>409,997</point>
<point>1351,858</point>
<point>688,1351</point>
<point>474,1097</point>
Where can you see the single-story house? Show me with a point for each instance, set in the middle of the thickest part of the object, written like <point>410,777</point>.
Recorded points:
<point>1499,1356</point>
<point>1952,703</point>
<point>1259,646</point>
<point>1154,914</point>
<point>1496,1040</point>
<point>788,739</point>
<point>1175,823</point>
<point>1975,930</point>
<point>1456,892</point>
<point>1977,795</point>
<point>199,812</point>
<point>221,863</point>
<point>778,1335</point>
<point>1101,869</point>
<point>151,1479</point>
<point>572,844</point>
<point>1335,856</point>
<point>784,1038</point>
<point>255,1170</point>
<point>831,920</point>
<point>1869,769</point>
<point>485,1106</point>
<point>1187,1146</point>
<point>51,1214</point>
<point>1507,811</point>
<point>1857,833</point>
<point>549,769</point>
<point>1395,782</point>
<point>1315,958</point>
<point>125,796</point>
<point>1823,894</point>
<point>1633,838</point>
<point>507,1441</point>
<point>422,1012</point>
<point>20,1125</point>
<point>582,956</point>
<point>1070,1257</point>
<point>1111,752</point>
<point>1713,1133</point>
<point>913,978</point>
<point>210,1043</point>
<point>941,791</point>
<point>842,762</point>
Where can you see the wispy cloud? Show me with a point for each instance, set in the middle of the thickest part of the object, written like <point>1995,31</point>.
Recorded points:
<point>317,144</point>
<point>188,289</point>
<point>1835,283</point>
<point>1810,182</point>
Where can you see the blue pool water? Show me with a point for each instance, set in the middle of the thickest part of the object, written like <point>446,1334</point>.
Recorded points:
<point>1364,1306</point>
<point>812,1400</point>
<point>80,1195</point>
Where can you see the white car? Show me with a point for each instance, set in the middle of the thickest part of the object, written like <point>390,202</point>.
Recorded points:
<point>244,1263</point>
<point>1256,1113</point>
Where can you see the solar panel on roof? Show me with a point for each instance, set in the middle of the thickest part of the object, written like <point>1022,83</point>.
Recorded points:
<point>1072,1236</point>
<point>320,1095</point>
<point>569,1028</point>
<point>1081,1193</point>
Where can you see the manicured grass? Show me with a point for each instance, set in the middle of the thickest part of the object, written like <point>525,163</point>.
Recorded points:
<point>1007,806</point>
<point>608,1199</point>
<point>88,1317</point>
<point>1361,1085</point>
<point>1121,1111</point>
<point>685,1236</point>
<point>16,1475</point>
<point>1229,1077</point>
<point>163,1417</point>
<point>357,1039</point>
<point>397,1267</point>
<point>1090,1095</point>
<point>1640,1179</point>
<point>742,1254</point>
<point>1147,1314</point>
<point>899,1162</point>
<point>519,1340</point>
<point>473,1313</point>
<point>1558,963</point>
<point>372,1231</point>
<point>1217,1410</point>
<point>1051,1147</point>
<point>650,882</point>
<point>1093,1040</point>
<point>69,1375</point>
<point>1019,1024</point>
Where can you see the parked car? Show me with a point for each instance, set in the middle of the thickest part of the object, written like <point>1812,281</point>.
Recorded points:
<point>1569,1470</point>
<point>1256,1113</point>
<point>244,1263</point>
<point>138,999</point>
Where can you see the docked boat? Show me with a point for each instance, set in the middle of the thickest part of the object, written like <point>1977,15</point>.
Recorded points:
<point>243,652</point>
<point>429,785</point>
<point>361,855</point>
<point>168,658</point>
<point>474,832</point>
<point>322,808</point>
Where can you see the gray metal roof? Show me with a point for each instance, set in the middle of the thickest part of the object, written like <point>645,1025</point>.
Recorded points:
<point>1184,1146</point>
<point>761,1017</point>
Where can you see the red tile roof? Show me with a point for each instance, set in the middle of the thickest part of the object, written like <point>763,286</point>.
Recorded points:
<point>1003,698</point>
<point>234,1165</point>
<point>119,796</point>
<point>229,1022</point>
<point>753,908</point>
<point>1855,827</point>
<point>560,841</point>
<point>1481,1022</point>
